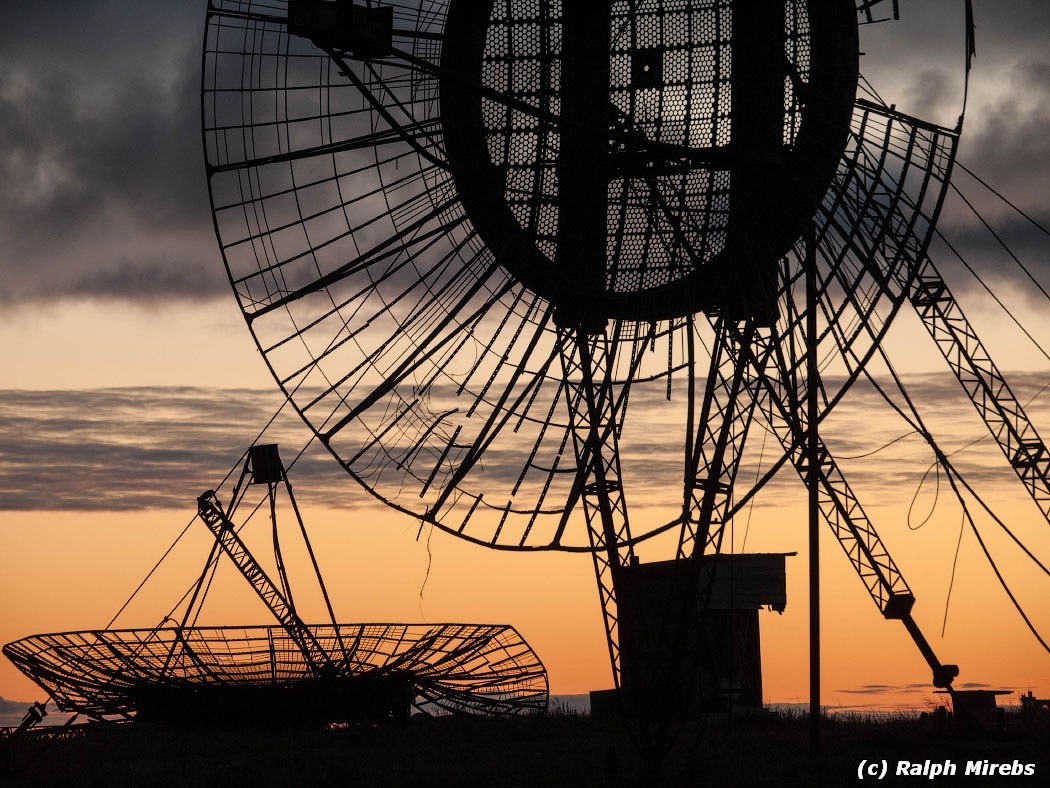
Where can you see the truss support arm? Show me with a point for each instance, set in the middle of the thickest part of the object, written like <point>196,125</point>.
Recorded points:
<point>983,382</point>
<point>855,532</point>
<point>713,459</point>
<point>842,511</point>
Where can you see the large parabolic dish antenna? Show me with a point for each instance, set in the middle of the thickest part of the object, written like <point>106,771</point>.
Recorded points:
<point>428,210</point>
<point>520,263</point>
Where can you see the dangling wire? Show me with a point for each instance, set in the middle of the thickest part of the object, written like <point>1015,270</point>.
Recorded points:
<point>936,467</point>
<point>881,448</point>
<point>951,582</point>
<point>751,505</point>
<point>952,475</point>
<point>430,561</point>
<point>995,568</point>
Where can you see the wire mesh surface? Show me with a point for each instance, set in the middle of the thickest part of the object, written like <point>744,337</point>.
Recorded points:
<point>451,668</point>
<point>426,366</point>
<point>687,48</point>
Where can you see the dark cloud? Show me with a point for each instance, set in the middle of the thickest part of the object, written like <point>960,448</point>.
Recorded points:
<point>1008,146</point>
<point>930,88</point>
<point>148,278</point>
<point>101,158</point>
<point>917,64</point>
<point>104,195</point>
<point>141,448</point>
<point>1010,141</point>
<point>144,448</point>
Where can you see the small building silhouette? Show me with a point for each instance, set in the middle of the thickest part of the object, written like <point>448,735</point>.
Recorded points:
<point>683,652</point>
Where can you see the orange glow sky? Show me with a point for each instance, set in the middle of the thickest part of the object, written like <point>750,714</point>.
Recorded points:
<point>65,566</point>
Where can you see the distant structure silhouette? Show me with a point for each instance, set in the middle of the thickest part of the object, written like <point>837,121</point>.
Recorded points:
<point>289,674</point>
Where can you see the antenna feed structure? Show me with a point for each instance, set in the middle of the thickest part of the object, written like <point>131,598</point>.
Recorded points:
<point>364,30</point>
<point>641,163</point>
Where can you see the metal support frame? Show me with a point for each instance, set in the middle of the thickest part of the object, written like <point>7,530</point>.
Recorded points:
<point>669,651</point>
<point>262,466</point>
<point>450,668</point>
<point>711,464</point>
<point>713,458</point>
<point>212,514</point>
<point>587,369</point>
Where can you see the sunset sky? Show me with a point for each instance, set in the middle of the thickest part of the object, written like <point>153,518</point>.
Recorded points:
<point>131,384</point>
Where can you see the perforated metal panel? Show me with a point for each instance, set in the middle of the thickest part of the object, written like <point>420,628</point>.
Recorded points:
<point>674,174</point>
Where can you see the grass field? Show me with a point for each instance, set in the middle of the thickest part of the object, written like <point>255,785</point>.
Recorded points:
<point>556,750</point>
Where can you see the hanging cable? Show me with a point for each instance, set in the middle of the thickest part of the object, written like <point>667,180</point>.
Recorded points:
<point>998,520</point>
<point>942,459</point>
<point>951,582</point>
<point>430,561</point>
<point>951,475</point>
<point>1001,242</point>
<point>1002,197</point>
<point>881,448</point>
<point>751,505</point>
<point>936,467</point>
<point>186,528</point>
<point>995,568</point>
<point>212,563</point>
